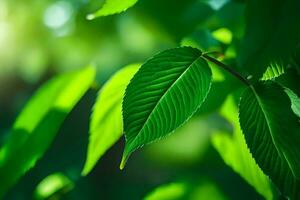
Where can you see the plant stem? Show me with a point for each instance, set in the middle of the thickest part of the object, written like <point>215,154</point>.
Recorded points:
<point>227,68</point>
<point>214,53</point>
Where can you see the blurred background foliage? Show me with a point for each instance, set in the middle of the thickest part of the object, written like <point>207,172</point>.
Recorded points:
<point>39,39</point>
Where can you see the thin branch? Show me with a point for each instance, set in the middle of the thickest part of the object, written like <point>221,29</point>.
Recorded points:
<point>227,68</point>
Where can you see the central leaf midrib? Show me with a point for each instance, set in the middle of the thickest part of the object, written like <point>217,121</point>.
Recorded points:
<point>270,129</point>
<point>162,97</point>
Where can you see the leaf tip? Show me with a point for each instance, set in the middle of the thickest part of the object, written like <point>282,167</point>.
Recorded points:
<point>85,171</point>
<point>123,162</point>
<point>125,157</point>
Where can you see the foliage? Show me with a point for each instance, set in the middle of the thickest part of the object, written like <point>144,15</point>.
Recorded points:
<point>37,125</point>
<point>230,65</point>
<point>274,145</point>
<point>111,7</point>
<point>106,121</point>
<point>233,148</point>
<point>175,94</point>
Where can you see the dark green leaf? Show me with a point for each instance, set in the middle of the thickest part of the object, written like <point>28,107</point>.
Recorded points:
<point>163,94</point>
<point>272,133</point>
<point>272,34</point>
<point>38,123</point>
<point>235,153</point>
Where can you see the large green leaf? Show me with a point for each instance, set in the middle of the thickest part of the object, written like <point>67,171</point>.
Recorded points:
<point>38,123</point>
<point>163,94</point>
<point>272,34</point>
<point>106,121</point>
<point>235,153</point>
<point>272,132</point>
<point>111,7</point>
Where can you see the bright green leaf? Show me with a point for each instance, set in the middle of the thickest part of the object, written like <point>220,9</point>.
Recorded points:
<point>273,71</point>
<point>223,35</point>
<point>235,153</point>
<point>272,131</point>
<point>37,125</point>
<point>163,94</point>
<point>111,7</point>
<point>51,185</point>
<point>106,121</point>
<point>171,191</point>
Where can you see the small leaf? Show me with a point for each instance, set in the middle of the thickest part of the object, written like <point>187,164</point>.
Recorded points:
<point>273,71</point>
<point>55,184</point>
<point>38,123</point>
<point>106,121</point>
<point>111,7</point>
<point>163,94</point>
<point>272,133</point>
<point>223,35</point>
<point>235,153</point>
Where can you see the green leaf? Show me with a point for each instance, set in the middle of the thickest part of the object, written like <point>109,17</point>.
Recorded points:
<point>272,34</point>
<point>272,133</point>
<point>163,94</point>
<point>235,153</point>
<point>223,35</point>
<point>106,121</point>
<point>273,71</point>
<point>111,7</point>
<point>53,185</point>
<point>38,123</point>
<point>171,191</point>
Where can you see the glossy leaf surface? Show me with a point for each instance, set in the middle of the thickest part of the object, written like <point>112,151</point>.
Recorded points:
<point>235,153</point>
<point>272,133</point>
<point>163,94</point>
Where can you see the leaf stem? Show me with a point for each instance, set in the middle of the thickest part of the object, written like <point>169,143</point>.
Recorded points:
<point>227,68</point>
